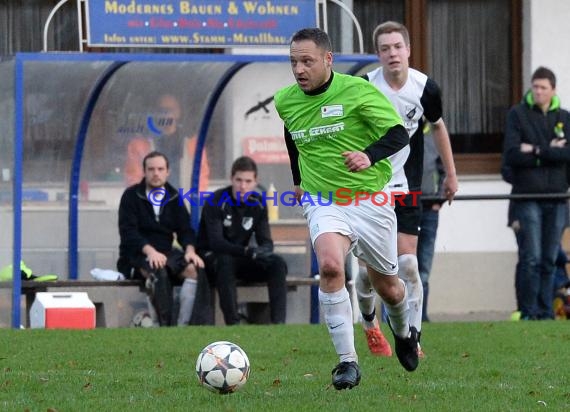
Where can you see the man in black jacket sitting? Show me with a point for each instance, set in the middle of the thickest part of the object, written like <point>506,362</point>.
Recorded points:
<point>150,219</point>
<point>229,220</point>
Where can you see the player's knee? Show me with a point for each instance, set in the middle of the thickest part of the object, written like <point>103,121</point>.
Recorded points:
<point>392,290</point>
<point>330,267</point>
<point>408,268</point>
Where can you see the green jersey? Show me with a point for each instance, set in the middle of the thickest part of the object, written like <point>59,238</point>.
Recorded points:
<point>349,116</point>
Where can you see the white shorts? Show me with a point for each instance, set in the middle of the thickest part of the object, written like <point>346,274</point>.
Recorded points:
<point>370,228</point>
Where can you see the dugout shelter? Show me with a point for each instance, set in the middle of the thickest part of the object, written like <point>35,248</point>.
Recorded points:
<point>67,119</point>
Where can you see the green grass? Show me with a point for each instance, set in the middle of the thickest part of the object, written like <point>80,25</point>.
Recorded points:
<point>501,366</point>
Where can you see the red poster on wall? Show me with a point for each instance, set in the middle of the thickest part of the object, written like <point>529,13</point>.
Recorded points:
<point>266,149</point>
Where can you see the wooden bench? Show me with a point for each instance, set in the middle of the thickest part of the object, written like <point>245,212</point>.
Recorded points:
<point>110,298</point>
<point>256,295</point>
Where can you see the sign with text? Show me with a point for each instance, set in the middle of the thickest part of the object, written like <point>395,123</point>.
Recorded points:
<point>206,23</point>
<point>266,149</point>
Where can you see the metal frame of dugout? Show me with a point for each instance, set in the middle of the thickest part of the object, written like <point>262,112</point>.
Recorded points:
<point>225,67</point>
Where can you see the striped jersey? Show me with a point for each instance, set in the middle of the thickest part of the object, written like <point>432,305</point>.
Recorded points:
<point>419,97</point>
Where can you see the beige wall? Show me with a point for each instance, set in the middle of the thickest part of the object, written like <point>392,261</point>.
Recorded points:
<point>545,42</point>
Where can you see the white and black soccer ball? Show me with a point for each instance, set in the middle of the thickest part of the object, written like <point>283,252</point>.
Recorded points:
<point>222,367</point>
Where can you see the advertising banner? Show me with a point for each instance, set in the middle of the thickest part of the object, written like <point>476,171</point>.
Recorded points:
<point>205,23</point>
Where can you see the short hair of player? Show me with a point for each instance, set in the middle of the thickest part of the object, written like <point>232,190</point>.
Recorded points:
<point>390,27</point>
<point>244,164</point>
<point>316,35</point>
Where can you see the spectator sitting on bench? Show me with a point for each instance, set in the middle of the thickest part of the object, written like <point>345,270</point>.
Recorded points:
<point>149,218</point>
<point>229,220</point>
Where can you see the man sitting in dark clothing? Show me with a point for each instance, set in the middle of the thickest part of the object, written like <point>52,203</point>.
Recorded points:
<point>229,220</point>
<point>150,216</point>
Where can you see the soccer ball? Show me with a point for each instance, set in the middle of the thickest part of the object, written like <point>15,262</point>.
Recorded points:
<point>222,367</point>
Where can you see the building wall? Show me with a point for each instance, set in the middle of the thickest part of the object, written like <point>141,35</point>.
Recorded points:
<point>475,257</point>
<point>473,269</point>
<point>546,30</point>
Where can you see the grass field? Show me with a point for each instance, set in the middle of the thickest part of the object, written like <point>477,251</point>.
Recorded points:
<point>500,366</point>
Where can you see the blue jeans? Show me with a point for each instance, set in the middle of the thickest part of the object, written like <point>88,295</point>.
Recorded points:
<point>541,225</point>
<point>426,245</point>
<point>518,288</point>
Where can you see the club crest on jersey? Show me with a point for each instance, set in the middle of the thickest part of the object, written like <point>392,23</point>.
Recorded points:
<point>247,222</point>
<point>334,110</point>
<point>410,112</point>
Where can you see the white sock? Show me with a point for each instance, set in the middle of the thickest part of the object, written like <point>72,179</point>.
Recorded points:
<point>409,273</point>
<point>337,312</point>
<point>187,296</point>
<point>399,315</point>
<point>366,297</point>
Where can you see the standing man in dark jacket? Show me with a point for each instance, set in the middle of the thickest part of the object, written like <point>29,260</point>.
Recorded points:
<point>150,219</point>
<point>229,220</point>
<point>537,153</point>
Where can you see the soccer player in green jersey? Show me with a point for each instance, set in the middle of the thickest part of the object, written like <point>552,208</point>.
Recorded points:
<point>340,131</point>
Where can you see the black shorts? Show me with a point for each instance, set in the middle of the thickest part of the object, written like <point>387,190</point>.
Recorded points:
<point>408,214</point>
<point>175,264</point>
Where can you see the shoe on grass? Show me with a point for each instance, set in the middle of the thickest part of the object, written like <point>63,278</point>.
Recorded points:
<point>346,375</point>
<point>407,349</point>
<point>377,342</point>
